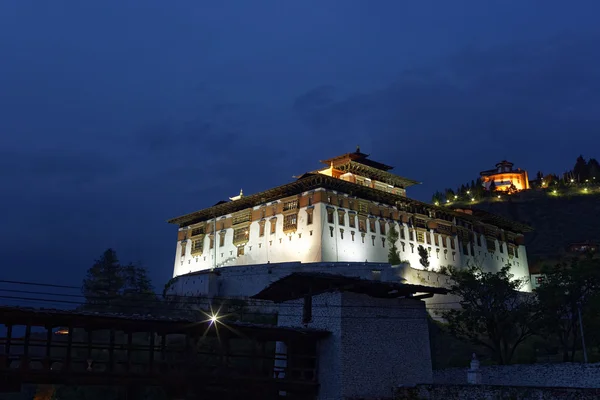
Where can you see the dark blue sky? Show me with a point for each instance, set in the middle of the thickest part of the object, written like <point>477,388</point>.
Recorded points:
<point>116,115</point>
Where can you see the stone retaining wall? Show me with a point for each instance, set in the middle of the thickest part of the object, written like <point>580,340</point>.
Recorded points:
<point>489,392</point>
<point>574,375</point>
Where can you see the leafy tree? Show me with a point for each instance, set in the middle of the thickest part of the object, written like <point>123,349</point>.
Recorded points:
<point>393,254</point>
<point>493,313</point>
<point>566,288</point>
<point>423,256</point>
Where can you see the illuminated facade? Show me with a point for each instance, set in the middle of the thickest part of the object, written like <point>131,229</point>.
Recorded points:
<point>505,177</point>
<point>343,213</point>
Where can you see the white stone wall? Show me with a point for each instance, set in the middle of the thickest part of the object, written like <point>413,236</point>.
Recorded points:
<point>545,375</point>
<point>302,245</point>
<point>251,279</point>
<point>341,248</point>
<point>315,243</point>
<point>375,344</point>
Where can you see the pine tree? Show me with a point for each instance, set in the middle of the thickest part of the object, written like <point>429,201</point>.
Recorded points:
<point>580,170</point>
<point>109,286</point>
<point>103,283</point>
<point>393,254</point>
<point>593,169</point>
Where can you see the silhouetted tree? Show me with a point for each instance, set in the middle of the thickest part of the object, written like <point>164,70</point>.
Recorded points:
<point>109,286</point>
<point>580,170</point>
<point>593,169</point>
<point>565,288</point>
<point>539,177</point>
<point>492,187</point>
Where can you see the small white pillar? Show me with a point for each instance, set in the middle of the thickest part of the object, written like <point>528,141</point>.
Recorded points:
<point>474,373</point>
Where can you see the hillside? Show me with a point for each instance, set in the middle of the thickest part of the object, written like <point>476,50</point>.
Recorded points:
<point>557,220</point>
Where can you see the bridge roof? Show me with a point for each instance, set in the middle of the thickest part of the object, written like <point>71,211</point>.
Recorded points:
<point>300,284</point>
<point>145,323</point>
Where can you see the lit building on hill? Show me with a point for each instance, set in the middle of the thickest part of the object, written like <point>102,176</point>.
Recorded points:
<point>343,213</point>
<point>504,176</point>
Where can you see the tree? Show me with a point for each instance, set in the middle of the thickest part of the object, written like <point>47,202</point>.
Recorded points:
<point>109,286</point>
<point>104,281</point>
<point>593,169</point>
<point>492,187</point>
<point>393,253</point>
<point>566,288</point>
<point>423,256</point>
<point>580,170</point>
<point>493,313</point>
<point>539,177</point>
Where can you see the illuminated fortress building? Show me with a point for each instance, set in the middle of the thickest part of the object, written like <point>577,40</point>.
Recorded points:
<point>343,213</point>
<point>505,178</point>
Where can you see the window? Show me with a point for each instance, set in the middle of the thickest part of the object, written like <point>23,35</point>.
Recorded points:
<point>331,231</point>
<point>329,216</point>
<point>310,201</point>
<point>290,205</point>
<point>244,216</point>
<point>197,246</point>
<point>411,235</point>
<point>465,248</point>
<point>309,217</point>
<point>341,217</point>
<point>342,234</point>
<point>352,234</point>
<point>198,231</point>
<point>263,212</point>
<point>273,225</point>
<point>452,243</point>
<point>436,239</point>
<point>290,222</point>
<point>261,228</point>
<point>363,207</point>
<point>382,226</point>
<point>362,224</point>
<point>221,239</point>
<point>212,242</point>
<point>383,242</point>
<point>376,275</point>
<point>372,224</point>
<point>240,235</point>
<point>444,243</point>
<point>352,220</point>
<point>428,236</point>
<point>420,237</point>
<point>402,233</point>
<point>373,239</point>
<point>183,246</point>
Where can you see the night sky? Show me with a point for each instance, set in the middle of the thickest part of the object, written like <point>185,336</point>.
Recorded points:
<point>116,115</point>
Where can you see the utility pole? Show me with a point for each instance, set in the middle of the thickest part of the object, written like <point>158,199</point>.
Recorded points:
<point>585,358</point>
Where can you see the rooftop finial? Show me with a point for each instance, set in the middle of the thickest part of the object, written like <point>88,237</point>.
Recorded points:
<point>357,148</point>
